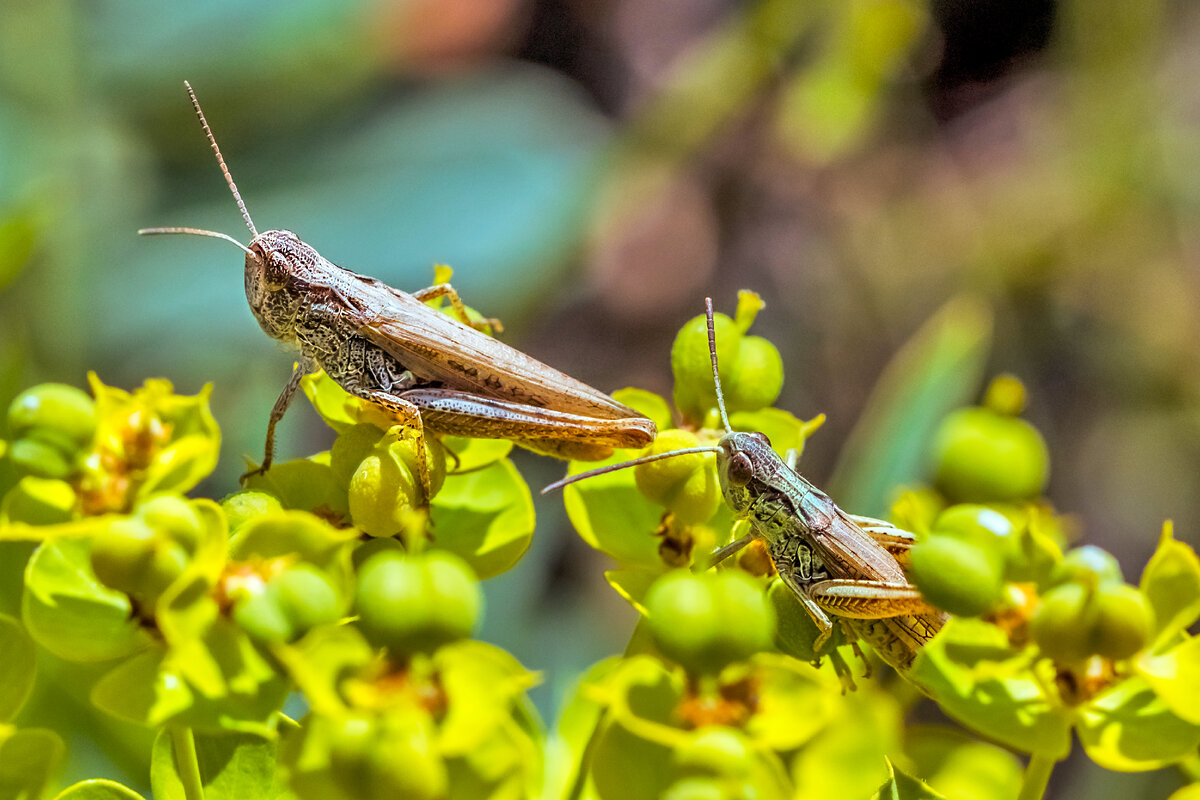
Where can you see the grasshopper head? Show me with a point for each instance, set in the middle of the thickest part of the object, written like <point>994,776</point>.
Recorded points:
<point>277,263</point>
<point>742,462</point>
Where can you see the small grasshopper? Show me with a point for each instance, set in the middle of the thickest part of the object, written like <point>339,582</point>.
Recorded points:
<point>837,564</point>
<point>428,370</point>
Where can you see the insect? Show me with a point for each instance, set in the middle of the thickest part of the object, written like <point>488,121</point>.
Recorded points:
<point>842,568</point>
<point>428,370</point>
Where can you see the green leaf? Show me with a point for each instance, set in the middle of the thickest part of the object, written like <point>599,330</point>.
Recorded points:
<point>610,514</point>
<point>482,682</point>
<point>1174,677</point>
<point>233,766</point>
<point>798,701</point>
<point>321,660</point>
<point>473,454</point>
<point>97,790</point>
<point>306,484</point>
<point>140,691</point>
<point>632,584</point>
<point>957,766</point>
<point>1130,729</point>
<point>900,786</point>
<point>1171,582</point>
<point>632,751</point>
<point>646,403</point>
<point>70,613</point>
<point>849,759</point>
<point>973,673</point>
<point>485,517</point>
<point>938,370</point>
<point>28,758</point>
<point>18,667</point>
<point>784,429</point>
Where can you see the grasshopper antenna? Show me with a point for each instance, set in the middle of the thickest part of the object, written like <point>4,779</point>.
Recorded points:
<point>221,161</point>
<point>195,232</point>
<point>712,349</point>
<point>591,473</point>
<point>712,353</point>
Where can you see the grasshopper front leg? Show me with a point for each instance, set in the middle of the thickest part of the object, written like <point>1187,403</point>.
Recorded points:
<point>302,367</point>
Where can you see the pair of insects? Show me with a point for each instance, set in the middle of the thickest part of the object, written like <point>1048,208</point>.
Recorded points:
<point>443,375</point>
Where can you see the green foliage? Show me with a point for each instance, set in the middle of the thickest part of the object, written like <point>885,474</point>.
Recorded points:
<point>337,577</point>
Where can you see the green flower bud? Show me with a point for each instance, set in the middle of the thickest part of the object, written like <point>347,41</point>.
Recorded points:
<point>715,751</point>
<point>38,501</point>
<point>32,456</point>
<point>982,457</point>
<point>174,517</point>
<point>1061,624</point>
<point>56,407</point>
<point>262,616</point>
<point>306,597</point>
<point>756,378</point>
<point>384,487</point>
<point>131,558</point>
<point>1123,620</point>
<point>241,507</point>
<point>982,527</point>
<point>686,485</point>
<point>696,788</point>
<point>413,604</point>
<point>691,364</point>
<point>957,576</point>
<point>704,622</point>
<point>386,757</point>
<point>1088,564</point>
<point>350,448</point>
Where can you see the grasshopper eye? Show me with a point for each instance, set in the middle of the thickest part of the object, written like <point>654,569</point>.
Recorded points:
<point>740,469</point>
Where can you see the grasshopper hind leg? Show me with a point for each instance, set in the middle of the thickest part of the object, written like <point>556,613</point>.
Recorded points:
<point>460,310</point>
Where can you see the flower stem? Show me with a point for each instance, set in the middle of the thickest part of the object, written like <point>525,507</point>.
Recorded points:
<point>187,762</point>
<point>1037,776</point>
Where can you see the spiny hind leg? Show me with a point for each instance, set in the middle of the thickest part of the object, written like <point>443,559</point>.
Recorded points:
<point>460,310</point>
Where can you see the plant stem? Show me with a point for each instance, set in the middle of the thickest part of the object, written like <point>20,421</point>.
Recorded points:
<point>187,762</point>
<point>1037,776</point>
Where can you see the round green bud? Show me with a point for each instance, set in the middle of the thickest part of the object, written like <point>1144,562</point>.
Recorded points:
<point>306,597</point>
<point>372,758</point>
<point>385,488</point>
<point>241,507</point>
<point>1005,395</point>
<point>956,575</point>
<point>983,527</point>
<point>748,620</point>
<point>696,788</point>
<point>717,751</point>
<point>691,363</point>
<point>756,378</point>
<point>685,485</point>
<point>39,501</point>
<point>55,407</point>
<point>414,604</point>
<point>1088,564</point>
<point>705,622</point>
<point>262,616</point>
<point>120,554</point>
<point>32,456</point>
<point>174,517</point>
<point>350,448</point>
<point>1123,620</point>
<point>984,457</point>
<point>1061,625</point>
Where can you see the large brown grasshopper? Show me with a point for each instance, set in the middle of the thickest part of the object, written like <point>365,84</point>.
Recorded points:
<point>843,569</point>
<point>428,370</point>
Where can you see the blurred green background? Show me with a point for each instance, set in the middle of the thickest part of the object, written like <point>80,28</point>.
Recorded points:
<point>593,170</point>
